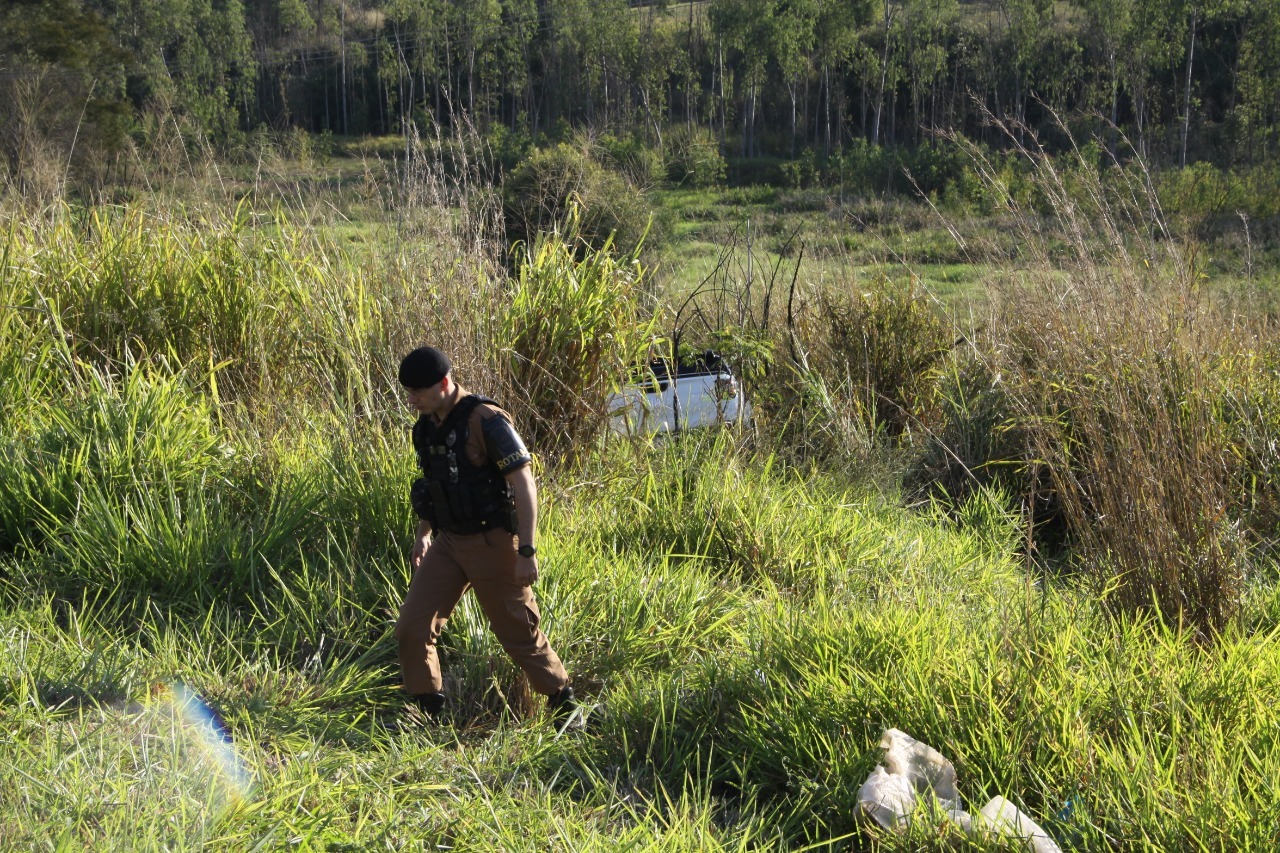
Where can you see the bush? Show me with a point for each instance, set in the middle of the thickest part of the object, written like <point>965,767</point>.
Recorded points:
<point>1208,201</point>
<point>1101,369</point>
<point>508,146</point>
<point>803,172</point>
<point>886,342</point>
<point>632,158</point>
<point>694,159</point>
<point>538,193</point>
<point>1119,408</point>
<point>574,327</point>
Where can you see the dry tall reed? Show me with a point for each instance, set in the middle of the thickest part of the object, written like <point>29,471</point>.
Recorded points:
<point>1109,358</point>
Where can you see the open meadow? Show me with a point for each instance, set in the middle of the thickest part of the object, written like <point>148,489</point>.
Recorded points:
<point>1012,487</point>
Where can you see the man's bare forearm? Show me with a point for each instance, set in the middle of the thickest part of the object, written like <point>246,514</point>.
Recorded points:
<point>526,500</point>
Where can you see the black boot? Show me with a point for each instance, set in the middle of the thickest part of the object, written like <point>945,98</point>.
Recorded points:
<point>432,705</point>
<point>565,713</point>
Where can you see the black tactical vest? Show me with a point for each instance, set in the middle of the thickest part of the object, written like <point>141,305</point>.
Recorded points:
<point>460,497</point>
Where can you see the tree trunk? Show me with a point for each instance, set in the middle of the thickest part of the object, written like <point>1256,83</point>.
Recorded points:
<point>884,74</point>
<point>720,62</point>
<point>689,78</point>
<point>342,42</point>
<point>826,109</point>
<point>1115,107</point>
<point>471,79</point>
<point>791,89</point>
<point>1186,95</point>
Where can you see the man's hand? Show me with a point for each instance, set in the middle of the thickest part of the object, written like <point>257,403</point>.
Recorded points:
<point>526,570</point>
<point>421,541</point>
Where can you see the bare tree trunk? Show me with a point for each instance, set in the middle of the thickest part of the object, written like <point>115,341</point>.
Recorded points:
<point>471,79</point>
<point>1140,115</point>
<point>826,104</point>
<point>791,89</point>
<point>1115,104</point>
<point>688,80</point>
<point>875,131</point>
<point>720,62</point>
<point>884,73</point>
<point>1186,95</point>
<point>342,40</point>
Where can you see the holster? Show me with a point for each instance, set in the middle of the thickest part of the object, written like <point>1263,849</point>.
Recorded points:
<point>420,497</point>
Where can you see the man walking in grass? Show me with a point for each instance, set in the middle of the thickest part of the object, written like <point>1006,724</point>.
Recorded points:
<point>478,516</point>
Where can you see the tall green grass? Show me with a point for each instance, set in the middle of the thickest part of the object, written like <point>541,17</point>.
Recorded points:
<point>575,327</point>
<point>739,706</point>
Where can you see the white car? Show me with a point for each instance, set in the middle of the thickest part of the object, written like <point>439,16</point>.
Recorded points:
<point>699,392</point>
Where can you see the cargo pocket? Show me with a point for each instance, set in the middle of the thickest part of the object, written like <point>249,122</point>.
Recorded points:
<point>525,613</point>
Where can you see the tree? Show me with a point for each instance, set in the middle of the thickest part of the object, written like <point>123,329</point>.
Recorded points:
<point>890,67</point>
<point>792,35</point>
<point>61,90</point>
<point>195,53</point>
<point>836,44</point>
<point>1258,110</point>
<point>924,34</point>
<point>745,26</point>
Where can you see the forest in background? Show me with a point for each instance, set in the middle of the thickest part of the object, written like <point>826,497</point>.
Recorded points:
<point>1175,81</point>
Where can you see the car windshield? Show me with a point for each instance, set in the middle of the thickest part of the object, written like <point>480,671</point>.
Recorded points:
<point>697,365</point>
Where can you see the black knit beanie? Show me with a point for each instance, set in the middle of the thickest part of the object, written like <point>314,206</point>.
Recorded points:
<point>423,368</point>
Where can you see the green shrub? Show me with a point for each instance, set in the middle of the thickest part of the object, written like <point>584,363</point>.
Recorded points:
<point>803,172</point>
<point>694,158</point>
<point>1209,201</point>
<point>632,158</point>
<point>575,326</point>
<point>509,146</point>
<point>537,195</point>
<point>884,343</point>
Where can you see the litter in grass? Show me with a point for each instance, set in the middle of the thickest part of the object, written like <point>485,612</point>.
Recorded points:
<point>915,777</point>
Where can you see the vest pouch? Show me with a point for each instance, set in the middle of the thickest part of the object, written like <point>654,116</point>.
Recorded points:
<point>420,498</point>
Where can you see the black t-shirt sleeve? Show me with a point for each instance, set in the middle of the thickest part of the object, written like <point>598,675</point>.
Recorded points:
<point>503,445</point>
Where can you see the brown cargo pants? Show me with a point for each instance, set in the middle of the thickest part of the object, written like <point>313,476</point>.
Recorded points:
<point>486,562</point>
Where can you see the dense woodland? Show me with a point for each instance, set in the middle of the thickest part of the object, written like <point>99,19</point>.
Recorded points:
<point>1181,80</point>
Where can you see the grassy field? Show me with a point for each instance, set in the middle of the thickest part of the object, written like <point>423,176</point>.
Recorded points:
<point>1041,540</point>
<point>742,634</point>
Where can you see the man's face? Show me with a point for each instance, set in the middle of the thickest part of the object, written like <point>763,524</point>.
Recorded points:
<point>430,400</point>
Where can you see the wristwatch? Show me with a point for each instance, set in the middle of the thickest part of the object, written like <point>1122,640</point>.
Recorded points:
<point>526,550</point>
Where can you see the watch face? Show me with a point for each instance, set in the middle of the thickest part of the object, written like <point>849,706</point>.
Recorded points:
<point>526,550</point>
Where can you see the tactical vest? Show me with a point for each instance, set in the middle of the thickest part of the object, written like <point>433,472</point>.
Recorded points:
<point>460,497</point>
